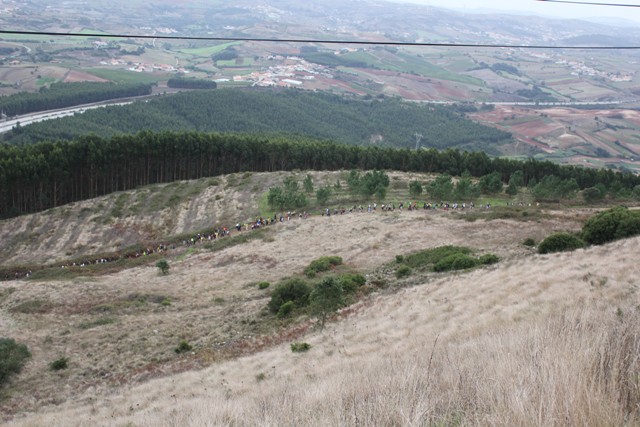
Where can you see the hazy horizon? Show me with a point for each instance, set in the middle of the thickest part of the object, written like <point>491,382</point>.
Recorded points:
<point>555,10</point>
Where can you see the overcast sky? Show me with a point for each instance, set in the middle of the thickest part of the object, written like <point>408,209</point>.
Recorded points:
<point>542,8</point>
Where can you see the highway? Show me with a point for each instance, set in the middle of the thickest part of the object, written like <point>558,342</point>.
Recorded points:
<point>27,119</point>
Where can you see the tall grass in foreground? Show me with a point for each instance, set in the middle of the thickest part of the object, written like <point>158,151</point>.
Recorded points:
<point>572,369</point>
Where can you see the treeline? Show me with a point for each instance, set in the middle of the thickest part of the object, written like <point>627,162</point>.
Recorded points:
<point>62,95</point>
<point>48,174</point>
<point>182,83</point>
<point>385,122</point>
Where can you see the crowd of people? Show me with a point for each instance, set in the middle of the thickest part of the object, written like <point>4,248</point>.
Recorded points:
<point>225,232</point>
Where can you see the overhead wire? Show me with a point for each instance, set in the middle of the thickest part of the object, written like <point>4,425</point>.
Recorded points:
<point>590,3</point>
<point>322,41</point>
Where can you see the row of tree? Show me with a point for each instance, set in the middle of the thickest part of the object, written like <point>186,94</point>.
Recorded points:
<point>389,122</point>
<point>62,95</point>
<point>48,174</point>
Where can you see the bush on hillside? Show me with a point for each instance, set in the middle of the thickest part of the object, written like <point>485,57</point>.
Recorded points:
<point>488,259</point>
<point>455,262</point>
<point>612,224</point>
<point>322,264</point>
<point>285,309</point>
<point>403,271</point>
<point>295,290</point>
<point>560,242</point>
<point>351,282</point>
<point>13,356</point>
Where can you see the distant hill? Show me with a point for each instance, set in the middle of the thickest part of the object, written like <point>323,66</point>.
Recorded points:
<point>385,122</point>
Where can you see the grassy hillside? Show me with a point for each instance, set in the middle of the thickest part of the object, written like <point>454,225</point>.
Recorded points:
<point>429,347</point>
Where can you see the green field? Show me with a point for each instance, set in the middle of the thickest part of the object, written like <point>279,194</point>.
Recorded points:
<point>45,81</point>
<point>412,64</point>
<point>124,76</point>
<point>209,50</point>
<point>92,31</point>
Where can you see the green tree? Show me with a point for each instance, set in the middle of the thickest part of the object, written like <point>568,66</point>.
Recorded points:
<point>163,266</point>
<point>441,188</point>
<point>326,297</point>
<point>517,178</point>
<point>323,194</point>
<point>491,183</point>
<point>465,189</point>
<point>592,195</point>
<point>415,188</point>
<point>307,184</point>
<point>511,189</point>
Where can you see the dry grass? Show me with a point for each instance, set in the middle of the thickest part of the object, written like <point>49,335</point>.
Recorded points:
<point>532,340</point>
<point>536,341</point>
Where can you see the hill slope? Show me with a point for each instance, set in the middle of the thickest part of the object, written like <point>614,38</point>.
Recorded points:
<point>506,345</point>
<point>387,122</point>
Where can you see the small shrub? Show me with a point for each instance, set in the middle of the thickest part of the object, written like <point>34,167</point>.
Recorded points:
<point>163,266</point>
<point>433,256</point>
<point>529,242</point>
<point>560,242</point>
<point>322,264</point>
<point>98,322</point>
<point>299,347</point>
<point>165,302</point>
<point>286,309</point>
<point>295,290</point>
<point>261,377</point>
<point>403,271</point>
<point>455,262</point>
<point>13,356</point>
<point>351,282</point>
<point>488,259</point>
<point>263,285</point>
<point>183,347</point>
<point>399,259</point>
<point>35,306</point>
<point>59,364</point>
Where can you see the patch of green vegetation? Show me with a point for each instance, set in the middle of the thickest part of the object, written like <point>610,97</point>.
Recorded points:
<point>560,242</point>
<point>183,347</point>
<point>131,301</point>
<point>42,81</point>
<point>403,271</point>
<point>430,257</point>
<point>98,322</point>
<point>59,364</point>
<point>502,212</point>
<point>612,224</point>
<point>443,258</point>
<point>13,356</point>
<point>300,347</point>
<point>209,50</point>
<point>227,242</point>
<point>122,76</point>
<point>294,290</point>
<point>35,306</point>
<point>321,265</point>
<point>118,206</point>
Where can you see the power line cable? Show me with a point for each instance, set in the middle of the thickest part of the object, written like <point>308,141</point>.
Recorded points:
<point>323,41</point>
<point>591,3</point>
